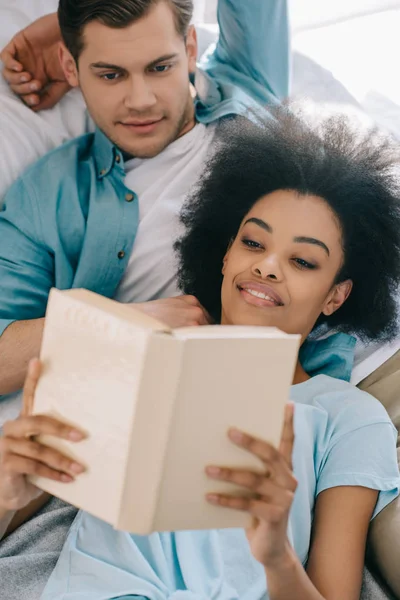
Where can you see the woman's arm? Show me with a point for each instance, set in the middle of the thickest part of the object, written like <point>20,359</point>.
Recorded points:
<point>341,521</point>
<point>336,559</point>
<point>342,516</point>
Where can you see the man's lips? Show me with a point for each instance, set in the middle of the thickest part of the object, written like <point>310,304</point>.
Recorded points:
<point>142,126</point>
<point>259,294</point>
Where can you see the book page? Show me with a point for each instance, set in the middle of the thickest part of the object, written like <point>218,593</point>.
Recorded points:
<point>242,383</point>
<point>228,331</point>
<point>111,307</point>
<point>92,368</point>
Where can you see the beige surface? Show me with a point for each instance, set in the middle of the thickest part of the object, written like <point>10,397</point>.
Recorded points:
<point>384,541</point>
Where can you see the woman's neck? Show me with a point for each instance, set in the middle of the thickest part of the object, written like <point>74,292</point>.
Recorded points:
<point>300,375</point>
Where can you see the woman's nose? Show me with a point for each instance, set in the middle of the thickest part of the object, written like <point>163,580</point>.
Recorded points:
<point>268,269</point>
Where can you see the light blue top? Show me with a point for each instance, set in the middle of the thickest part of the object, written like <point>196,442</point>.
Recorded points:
<point>343,437</point>
<point>65,221</point>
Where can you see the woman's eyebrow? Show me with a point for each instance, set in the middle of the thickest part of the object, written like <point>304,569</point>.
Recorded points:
<point>308,240</point>
<point>260,223</point>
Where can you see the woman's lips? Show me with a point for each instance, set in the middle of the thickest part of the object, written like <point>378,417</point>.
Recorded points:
<point>259,295</point>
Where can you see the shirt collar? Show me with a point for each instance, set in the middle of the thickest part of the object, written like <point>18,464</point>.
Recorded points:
<point>105,153</point>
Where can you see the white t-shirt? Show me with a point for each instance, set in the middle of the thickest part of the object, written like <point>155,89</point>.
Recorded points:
<point>162,184</point>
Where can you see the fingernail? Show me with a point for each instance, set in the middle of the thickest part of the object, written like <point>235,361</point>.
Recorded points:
<point>76,468</point>
<point>32,101</point>
<point>212,498</point>
<point>75,436</point>
<point>23,79</point>
<point>213,471</point>
<point>33,87</point>
<point>236,435</point>
<point>66,479</point>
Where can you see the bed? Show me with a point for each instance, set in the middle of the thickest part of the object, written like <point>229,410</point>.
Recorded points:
<point>331,81</point>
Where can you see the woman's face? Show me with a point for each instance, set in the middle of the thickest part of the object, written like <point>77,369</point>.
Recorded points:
<point>280,269</point>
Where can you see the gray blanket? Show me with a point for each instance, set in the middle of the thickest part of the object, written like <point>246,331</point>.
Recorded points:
<point>28,556</point>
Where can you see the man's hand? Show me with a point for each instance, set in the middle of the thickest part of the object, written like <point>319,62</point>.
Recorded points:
<point>183,311</point>
<point>31,65</point>
<point>21,454</point>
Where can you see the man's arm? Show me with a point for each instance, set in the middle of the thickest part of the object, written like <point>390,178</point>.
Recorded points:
<point>253,49</point>
<point>19,343</point>
<point>26,276</point>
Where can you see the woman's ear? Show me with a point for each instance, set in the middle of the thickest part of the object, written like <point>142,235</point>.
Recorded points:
<point>225,260</point>
<point>337,297</point>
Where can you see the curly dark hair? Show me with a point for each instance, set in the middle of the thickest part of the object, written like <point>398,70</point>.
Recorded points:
<point>357,174</point>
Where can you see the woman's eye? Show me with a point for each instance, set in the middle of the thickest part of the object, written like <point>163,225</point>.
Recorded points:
<point>251,243</point>
<point>110,76</point>
<point>303,264</point>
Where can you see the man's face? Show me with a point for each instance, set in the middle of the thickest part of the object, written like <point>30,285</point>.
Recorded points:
<point>135,81</point>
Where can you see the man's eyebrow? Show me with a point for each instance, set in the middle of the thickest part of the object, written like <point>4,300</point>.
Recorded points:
<point>164,58</point>
<point>154,63</point>
<point>103,65</point>
<point>310,240</point>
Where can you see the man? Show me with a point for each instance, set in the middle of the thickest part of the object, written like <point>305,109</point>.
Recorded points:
<point>74,216</point>
<point>102,211</point>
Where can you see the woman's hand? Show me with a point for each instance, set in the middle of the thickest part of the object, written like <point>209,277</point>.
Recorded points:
<point>21,454</point>
<point>274,492</point>
<point>31,65</point>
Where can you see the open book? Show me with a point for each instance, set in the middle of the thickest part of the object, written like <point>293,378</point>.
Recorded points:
<point>156,404</point>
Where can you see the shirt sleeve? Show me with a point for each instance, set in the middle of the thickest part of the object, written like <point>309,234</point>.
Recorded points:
<point>26,265</point>
<point>253,49</point>
<point>366,457</point>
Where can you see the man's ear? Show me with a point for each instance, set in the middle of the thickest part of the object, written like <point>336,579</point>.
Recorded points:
<point>337,297</point>
<point>68,65</point>
<point>192,48</point>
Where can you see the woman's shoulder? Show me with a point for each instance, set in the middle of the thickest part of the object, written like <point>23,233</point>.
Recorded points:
<point>341,402</point>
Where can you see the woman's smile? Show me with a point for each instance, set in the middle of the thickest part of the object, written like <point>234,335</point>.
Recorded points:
<point>259,294</point>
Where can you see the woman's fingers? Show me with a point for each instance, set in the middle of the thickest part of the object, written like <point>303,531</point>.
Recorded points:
<point>31,381</point>
<point>25,88</point>
<point>287,438</point>
<point>273,513</point>
<point>41,425</point>
<point>276,464</point>
<point>257,483</point>
<point>39,453</point>
<point>27,466</point>
<point>7,57</point>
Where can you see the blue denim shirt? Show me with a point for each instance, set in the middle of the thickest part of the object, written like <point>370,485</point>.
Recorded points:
<point>70,221</point>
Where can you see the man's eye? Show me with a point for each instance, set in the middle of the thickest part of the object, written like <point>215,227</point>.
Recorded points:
<point>161,68</point>
<point>110,76</point>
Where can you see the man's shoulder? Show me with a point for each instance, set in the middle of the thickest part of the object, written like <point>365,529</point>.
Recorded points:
<point>64,160</point>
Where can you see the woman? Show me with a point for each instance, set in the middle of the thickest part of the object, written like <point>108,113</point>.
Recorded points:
<point>293,228</point>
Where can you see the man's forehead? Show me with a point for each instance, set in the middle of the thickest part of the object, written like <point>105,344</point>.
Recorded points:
<point>129,46</point>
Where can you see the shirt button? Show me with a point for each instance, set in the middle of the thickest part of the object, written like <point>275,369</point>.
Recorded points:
<point>121,254</point>
<point>118,158</point>
<point>103,172</point>
<point>129,197</point>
